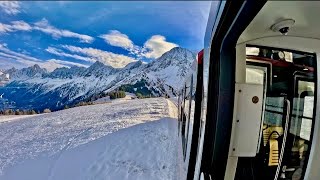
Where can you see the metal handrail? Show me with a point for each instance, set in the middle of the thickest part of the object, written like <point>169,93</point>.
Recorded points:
<point>285,133</point>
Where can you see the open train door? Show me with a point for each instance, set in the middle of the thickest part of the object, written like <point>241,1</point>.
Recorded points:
<point>265,53</point>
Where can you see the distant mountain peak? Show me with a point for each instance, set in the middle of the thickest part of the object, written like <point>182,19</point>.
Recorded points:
<point>178,53</point>
<point>12,69</point>
<point>99,69</point>
<point>177,57</point>
<point>161,77</point>
<point>36,66</point>
<point>179,49</point>
<point>133,65</point>
<point>98,63</point>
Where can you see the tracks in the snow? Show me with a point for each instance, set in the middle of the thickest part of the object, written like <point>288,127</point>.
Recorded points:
<point>64,149</point>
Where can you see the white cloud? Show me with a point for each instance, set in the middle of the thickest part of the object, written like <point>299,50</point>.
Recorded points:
<point>48,65</point>
<point>45,27</point>
<point>10,7</point>
<point>15,26</point>
<point>58,52</point>
<point>19,60</point>
<point>114,60</point>
<point>153,47</point>
<point>9,56</point>
<point>116,38</point>
<point>51,66</point>
<point>6,63</point>
<point>156,46</point>
<point>67,63</point>
<point>4,49</point>
<point>5,28</point>
<point>109,58</point>
<point>21,25</point>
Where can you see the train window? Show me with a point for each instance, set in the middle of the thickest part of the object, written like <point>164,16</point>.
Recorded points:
<point>183,118</point>
<point>253,51</point>
<point>255,76</point>
<point>270,53</point>
<point>189,117</point>
<point>186,109</point>
<point>301,122</point>
<point>288,113</point>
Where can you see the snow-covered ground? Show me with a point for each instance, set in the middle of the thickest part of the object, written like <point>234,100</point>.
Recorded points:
<point>129,139</point>
<point>129,96</point>
<point>9,118</point>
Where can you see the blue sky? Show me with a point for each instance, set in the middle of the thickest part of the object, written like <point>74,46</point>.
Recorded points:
<point>57,34</point>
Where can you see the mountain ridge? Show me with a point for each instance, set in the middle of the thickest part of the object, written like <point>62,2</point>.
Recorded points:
<point>37,88</point>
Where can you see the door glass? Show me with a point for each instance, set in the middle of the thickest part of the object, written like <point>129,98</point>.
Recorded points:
<point>301,126</point>
<point>301,122</point>
<point>254,75</point>
<point>307,118</point>
<point>288,117</point>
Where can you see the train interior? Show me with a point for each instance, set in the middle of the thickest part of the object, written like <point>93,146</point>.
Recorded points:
<point>279,51</point>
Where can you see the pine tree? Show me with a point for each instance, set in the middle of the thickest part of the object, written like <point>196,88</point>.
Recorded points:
<point>33,112</point>
<point>47,110</point>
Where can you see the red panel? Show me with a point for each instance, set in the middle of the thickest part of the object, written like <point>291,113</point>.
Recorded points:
<point>200,57</point>
<point>279,63</point>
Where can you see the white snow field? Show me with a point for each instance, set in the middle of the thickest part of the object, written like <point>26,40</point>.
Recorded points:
<point>8,118</point>
<point>128,139</point>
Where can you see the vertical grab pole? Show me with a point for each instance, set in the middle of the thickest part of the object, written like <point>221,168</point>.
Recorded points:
<point>284,139</point>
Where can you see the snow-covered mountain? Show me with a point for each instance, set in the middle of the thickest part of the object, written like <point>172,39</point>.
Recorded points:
<point>26,73</point>
<point>35,88</point>
<point>165,75</point>
<point>4,78</point>
<point>65,73</point>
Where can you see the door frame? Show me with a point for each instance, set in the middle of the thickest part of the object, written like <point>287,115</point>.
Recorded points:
<point>313,163</point>
<point>235,17</point>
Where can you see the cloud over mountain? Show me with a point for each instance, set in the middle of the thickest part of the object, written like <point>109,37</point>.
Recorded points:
<point>152,48</point>
<point>109,58</point>
<point>10,58</point>
<point>15,26</point>
<point>156,46</point>
<point>114,33</point>
<point>45,27</point>
<point>10,7</point>
<point>116,38</point>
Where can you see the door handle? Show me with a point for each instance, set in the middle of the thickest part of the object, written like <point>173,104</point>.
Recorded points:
<point>285,133</point>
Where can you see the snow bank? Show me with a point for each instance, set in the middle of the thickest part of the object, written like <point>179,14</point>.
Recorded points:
<point>9,118</point>
<point>129,96</point>
<point>133,139</point>
<point>145,151</point>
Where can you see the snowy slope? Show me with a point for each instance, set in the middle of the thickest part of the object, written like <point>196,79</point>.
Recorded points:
<point>128,139</point>
<point>8,118</point>
<point>34,88</point>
